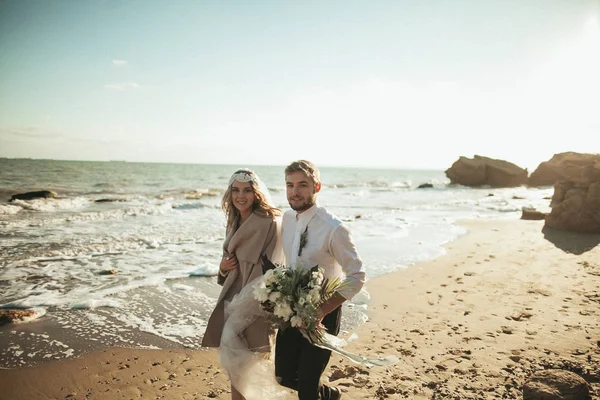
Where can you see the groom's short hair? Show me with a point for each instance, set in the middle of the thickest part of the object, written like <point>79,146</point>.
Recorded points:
<point>305,166</point>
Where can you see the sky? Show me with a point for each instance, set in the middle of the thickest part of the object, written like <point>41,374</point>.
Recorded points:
<point>399,83</point>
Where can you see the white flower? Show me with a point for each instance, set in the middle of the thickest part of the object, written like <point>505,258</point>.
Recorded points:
<point>296,321</point>
<point>261,293</point>
<point>301,301</point>
<point>269,277</point>
<point>315,294</point>
<point>317,278</point>
<point>283,311</point>
<point>274,296</point>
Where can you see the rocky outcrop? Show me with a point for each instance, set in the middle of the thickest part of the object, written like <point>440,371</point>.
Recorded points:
<point>556,384</point>
<point>575,207</point>
<point>480,171</point>
<point>40,194</point>
<point>570,166</point>
<point>9,316</point>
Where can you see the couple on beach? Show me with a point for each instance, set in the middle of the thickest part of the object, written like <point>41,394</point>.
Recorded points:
<point>308,234</point>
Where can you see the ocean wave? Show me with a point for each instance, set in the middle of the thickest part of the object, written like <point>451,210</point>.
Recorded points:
<point>103,184</point>
<point>64,289</point>
<point>504,208</point>
<point>189,194</point>
<point>375,185</point>
<point>189,206</point>
<point>104,191</point>
<point>401,185</point>
<point>112,214</point>
<point>182,287</point>
<point>91,304</point>
<point>205,270</point>
<point>6,209</point>
<point>52,204</point>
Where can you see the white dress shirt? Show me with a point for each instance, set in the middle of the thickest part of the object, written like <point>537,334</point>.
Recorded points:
<point>328,245</point>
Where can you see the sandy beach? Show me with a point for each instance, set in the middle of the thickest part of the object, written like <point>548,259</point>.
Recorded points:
<point>509,298</point>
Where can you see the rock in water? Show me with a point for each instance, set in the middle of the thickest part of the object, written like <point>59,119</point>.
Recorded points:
<point>40,194</point>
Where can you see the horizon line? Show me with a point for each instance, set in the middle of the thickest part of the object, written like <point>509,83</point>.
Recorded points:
<point>225,164</point>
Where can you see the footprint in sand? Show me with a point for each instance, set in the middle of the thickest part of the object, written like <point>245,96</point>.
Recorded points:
<point>543,292</point>
<point>523,315</point>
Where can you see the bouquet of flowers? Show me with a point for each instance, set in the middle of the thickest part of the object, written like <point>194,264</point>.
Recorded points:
<point>292,297</point>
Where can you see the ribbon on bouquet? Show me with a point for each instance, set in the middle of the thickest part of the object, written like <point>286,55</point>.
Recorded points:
<point>335,344</point>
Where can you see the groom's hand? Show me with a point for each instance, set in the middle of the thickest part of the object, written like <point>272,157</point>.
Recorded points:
<point>320,317</point>
<point>334,302</point>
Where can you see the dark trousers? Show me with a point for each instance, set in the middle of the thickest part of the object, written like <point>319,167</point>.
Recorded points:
<point>299,364</point>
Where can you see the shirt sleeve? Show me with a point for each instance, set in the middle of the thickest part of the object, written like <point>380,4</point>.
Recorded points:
<point>344,252</point>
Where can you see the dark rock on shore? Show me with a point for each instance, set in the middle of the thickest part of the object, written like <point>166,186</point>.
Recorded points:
<point>108,272</point>
<point>9,316</point>
<point>480,171</point>
<point>39,194</point>
<point>424,186</point>
<point>556,384</point>
<point>532,214</point>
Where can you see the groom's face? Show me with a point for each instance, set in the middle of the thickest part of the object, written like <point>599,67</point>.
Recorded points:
<point>301,191</point>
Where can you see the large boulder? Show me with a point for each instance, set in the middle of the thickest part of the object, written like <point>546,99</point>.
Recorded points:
<point>480,171</point>
<point>575,207</point>
<point>556,384</point>
<point>570,166</point>
<point>39,194</point>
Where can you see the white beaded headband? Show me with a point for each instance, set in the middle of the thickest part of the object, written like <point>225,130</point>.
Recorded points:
<point>244,176</point>
<point>248,175</point>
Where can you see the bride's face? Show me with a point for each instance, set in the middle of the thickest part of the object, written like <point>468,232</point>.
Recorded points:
<point>242,197</point>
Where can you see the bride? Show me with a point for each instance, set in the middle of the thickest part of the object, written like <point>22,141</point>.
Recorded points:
<point>245,339</point>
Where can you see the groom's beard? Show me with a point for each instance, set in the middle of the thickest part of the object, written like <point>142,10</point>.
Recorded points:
<point>305,205</point>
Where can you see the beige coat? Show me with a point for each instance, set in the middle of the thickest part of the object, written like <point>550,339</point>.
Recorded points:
<point>258,235</point>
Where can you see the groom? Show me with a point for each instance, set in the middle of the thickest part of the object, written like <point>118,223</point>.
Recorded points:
<point>313,236</point>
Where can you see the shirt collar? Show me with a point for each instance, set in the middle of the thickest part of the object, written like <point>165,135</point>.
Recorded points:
<point>305,217</point>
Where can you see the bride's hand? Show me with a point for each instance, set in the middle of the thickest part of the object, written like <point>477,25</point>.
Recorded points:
<point>228,263</point>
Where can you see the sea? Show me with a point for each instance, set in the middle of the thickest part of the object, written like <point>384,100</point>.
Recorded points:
<point>127,254</point>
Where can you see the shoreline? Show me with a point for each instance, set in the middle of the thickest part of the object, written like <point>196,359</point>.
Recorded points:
<point>505,300</point>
